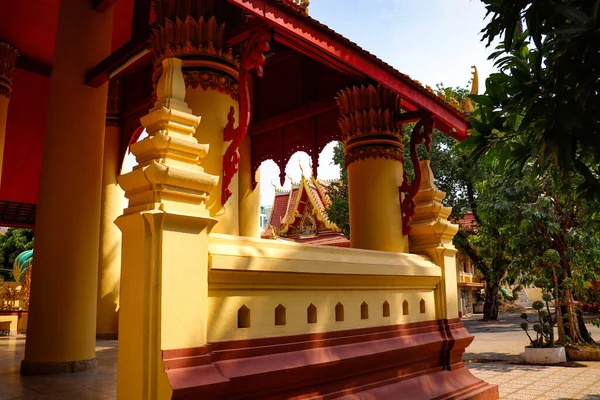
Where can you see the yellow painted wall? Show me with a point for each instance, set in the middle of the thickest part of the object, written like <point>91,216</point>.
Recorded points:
<point>374,200</point>
<point>224,306</point>
<point>261,274</point>
<point>213,107</point>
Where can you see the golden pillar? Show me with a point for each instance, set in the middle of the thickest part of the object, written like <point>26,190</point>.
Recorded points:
<point>193,31</point>
<point>61,334</point>
<point>431,235</point>
<point>249,196</point>
<point>112,202</point>
<point>8,58</point>
<point>373,156</point>
<point>164,275</point>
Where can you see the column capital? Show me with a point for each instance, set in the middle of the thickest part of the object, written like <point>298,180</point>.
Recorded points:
<point>367,123</point>
<point>8,59</point>
<point>194,31</point>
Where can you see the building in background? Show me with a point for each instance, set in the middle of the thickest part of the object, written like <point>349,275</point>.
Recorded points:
<point>300,214</point>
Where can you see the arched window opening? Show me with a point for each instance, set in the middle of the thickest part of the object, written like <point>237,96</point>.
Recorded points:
<point>405,307</point>
<point>311,314</point>
<point>364,311</point>
<point>422,306</point>
<point>244,317</point>
<point>386,309</point>
<point>280,315</point>
<point>339,312</point>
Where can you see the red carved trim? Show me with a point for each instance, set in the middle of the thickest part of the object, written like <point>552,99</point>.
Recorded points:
<point>252,58</point>
<point>421,133</point>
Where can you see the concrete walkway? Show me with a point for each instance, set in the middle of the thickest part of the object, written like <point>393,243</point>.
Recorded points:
<point>496,357</point>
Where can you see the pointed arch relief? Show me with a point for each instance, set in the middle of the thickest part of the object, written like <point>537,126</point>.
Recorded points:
<point>364,310</point>
<point>386,309</point>
<point>422,306</point>
<point>311,314</point>
<point>339,312</point>
<point>405,307</point>
<point>244,317</point>
<point>280,317</point>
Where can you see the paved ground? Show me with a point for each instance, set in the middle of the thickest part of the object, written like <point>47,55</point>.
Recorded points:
<point>496,357</point>
<point>493,356</point>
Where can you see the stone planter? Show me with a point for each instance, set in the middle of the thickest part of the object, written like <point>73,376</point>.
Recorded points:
<point>478,307</point>
<point>545,356</point>
<point>583,354</point>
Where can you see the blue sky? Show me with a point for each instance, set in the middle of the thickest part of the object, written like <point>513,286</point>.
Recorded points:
<point>433,41</point>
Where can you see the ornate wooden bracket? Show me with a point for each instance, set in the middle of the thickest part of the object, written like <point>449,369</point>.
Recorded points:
<point>420,133</point>
<point>253,57</point>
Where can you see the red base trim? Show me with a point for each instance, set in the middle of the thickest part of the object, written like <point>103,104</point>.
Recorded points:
<point>417,361</point>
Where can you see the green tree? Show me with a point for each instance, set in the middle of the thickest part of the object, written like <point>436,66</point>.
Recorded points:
<point>13,243</point>
<point>543,106</point>
<point>338,211</point>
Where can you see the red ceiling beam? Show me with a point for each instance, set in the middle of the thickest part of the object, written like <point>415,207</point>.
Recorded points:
<point>289,117</point>
<point>319,43</point>
<point>35,66</point>
<point>134,52</point>
<point>103,5</point>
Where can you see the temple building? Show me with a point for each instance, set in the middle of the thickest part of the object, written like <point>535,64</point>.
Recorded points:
<point>202,306</point>
<point>300,214</point>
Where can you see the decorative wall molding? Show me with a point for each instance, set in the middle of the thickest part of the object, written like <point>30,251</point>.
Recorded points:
<point>209,80</point>
<point>375,151</point>
<point>8,60</point>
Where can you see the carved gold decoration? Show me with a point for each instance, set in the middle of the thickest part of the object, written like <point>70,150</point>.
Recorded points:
<point>381,151</point>
<point>192,37</point>
<point>468,104</point>
<point>113,102</point>
<point>302,4</point>
<point>367,122</point>
<point>8,59</point>
<point>368,111</point>
<point>213,81</point>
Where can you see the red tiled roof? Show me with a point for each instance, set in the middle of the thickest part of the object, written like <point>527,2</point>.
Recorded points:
<point>467,222</point>
<point>280,206</point>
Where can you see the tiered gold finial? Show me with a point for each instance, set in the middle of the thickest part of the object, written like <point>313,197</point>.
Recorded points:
<point>169,169</point>
<point>8,59</point>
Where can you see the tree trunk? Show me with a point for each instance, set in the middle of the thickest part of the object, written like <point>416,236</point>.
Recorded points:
<point>491,303</point>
